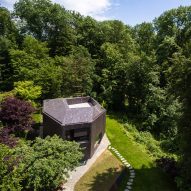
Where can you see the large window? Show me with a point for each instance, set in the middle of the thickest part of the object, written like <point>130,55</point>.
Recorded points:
<point>78,135</point>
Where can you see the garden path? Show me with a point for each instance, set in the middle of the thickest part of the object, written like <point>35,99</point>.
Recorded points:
<point>81,170</point>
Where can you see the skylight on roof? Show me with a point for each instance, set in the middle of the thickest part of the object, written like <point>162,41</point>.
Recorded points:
<point>79,105</point>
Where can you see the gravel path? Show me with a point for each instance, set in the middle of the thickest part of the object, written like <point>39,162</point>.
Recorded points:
<point>81,170</point>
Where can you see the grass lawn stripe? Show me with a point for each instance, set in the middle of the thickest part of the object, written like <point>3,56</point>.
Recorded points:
<point>148,177</point>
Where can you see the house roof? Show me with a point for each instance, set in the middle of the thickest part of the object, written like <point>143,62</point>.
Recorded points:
<point>72,110</point>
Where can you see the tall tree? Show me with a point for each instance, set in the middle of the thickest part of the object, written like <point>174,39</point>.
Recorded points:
<point>144,34</point>
<point>77,72</point>
<point>34,64</point>
<point>8,36</point>
<point>180,81</point>
<point>47,22</point>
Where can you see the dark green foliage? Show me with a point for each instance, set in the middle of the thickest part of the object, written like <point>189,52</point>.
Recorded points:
<point>77,72</point>
<point>144,34</point>
<point>143,71</point>
<point>10,178</point>
<point>33,63</point>
<point>180,84</point>
<point>89,34</point>
<point>168,165</point>
<point>47,22</point>
<point>8,36</point>
<point>40,165</point>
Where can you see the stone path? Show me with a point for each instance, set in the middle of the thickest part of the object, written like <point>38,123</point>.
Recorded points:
<point>124,161</point>
<point>81,170</point>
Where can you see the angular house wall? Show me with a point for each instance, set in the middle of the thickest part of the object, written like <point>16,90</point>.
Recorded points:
<point>97,132</point>
<point>82,134</point>
<point>85,125</point>
<point>51,127</point>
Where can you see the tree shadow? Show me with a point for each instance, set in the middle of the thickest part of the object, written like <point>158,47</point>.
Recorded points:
<point>151,178</point>
<point>104,181</point>
<point>123,117</point>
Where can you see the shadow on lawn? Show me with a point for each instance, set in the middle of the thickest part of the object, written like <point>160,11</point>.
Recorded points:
<point>153,179</point>
<point>125,118</point>
<point>147,179</point>
<point>103,181</point>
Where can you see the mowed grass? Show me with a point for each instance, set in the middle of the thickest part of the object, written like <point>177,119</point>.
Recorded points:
<point>102,174</point>
<point>148,176</point>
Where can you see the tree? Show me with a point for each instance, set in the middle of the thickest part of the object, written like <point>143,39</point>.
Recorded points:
<point>27,90</point>
<point>16,116</point>
<point>144,34</point>
<point>89,34</point>
<point>8,39</point>
<point>34,64</point>
<point>49,77</point>
<point>47,22</point>
<point>39,165</point>
<point>77,72</point>
<point>112,75</point>
<point>174,23</point>
<point>180,80</point>
<point>35,48</point>
<point>113,67</point>
<point>173,36</point>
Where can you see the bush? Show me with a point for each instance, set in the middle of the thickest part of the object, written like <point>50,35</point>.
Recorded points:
<point>151,144</point>
<point>10,179</point>
<point>26,90</point>
<point>145,138</point>
<point>42,164</point>
<point>6,138</point>
<point>168,165</point>
<point>4,95</point>
<point>170,145</point>
<point>16,115</point>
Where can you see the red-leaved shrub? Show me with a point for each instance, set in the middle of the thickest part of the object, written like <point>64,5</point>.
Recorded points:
<point>16,115</point>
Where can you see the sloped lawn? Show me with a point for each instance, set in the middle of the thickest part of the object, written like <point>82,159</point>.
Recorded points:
<point>148,176</point>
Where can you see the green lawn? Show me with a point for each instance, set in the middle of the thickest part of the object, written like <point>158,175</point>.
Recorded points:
<point>101,175</point>
<point>148,177</point>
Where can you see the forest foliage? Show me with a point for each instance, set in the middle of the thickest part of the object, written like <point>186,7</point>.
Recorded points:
<point>143,71</point>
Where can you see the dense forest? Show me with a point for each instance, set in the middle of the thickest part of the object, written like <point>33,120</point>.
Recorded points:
<point>143,71</point>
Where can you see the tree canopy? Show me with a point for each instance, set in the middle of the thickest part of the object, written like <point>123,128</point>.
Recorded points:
<point>143,71</point>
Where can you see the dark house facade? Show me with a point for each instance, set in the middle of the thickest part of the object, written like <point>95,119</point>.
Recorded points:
<point>80,119</point>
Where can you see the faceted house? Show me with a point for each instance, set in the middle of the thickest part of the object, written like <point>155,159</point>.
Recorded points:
<point>80,119</point>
